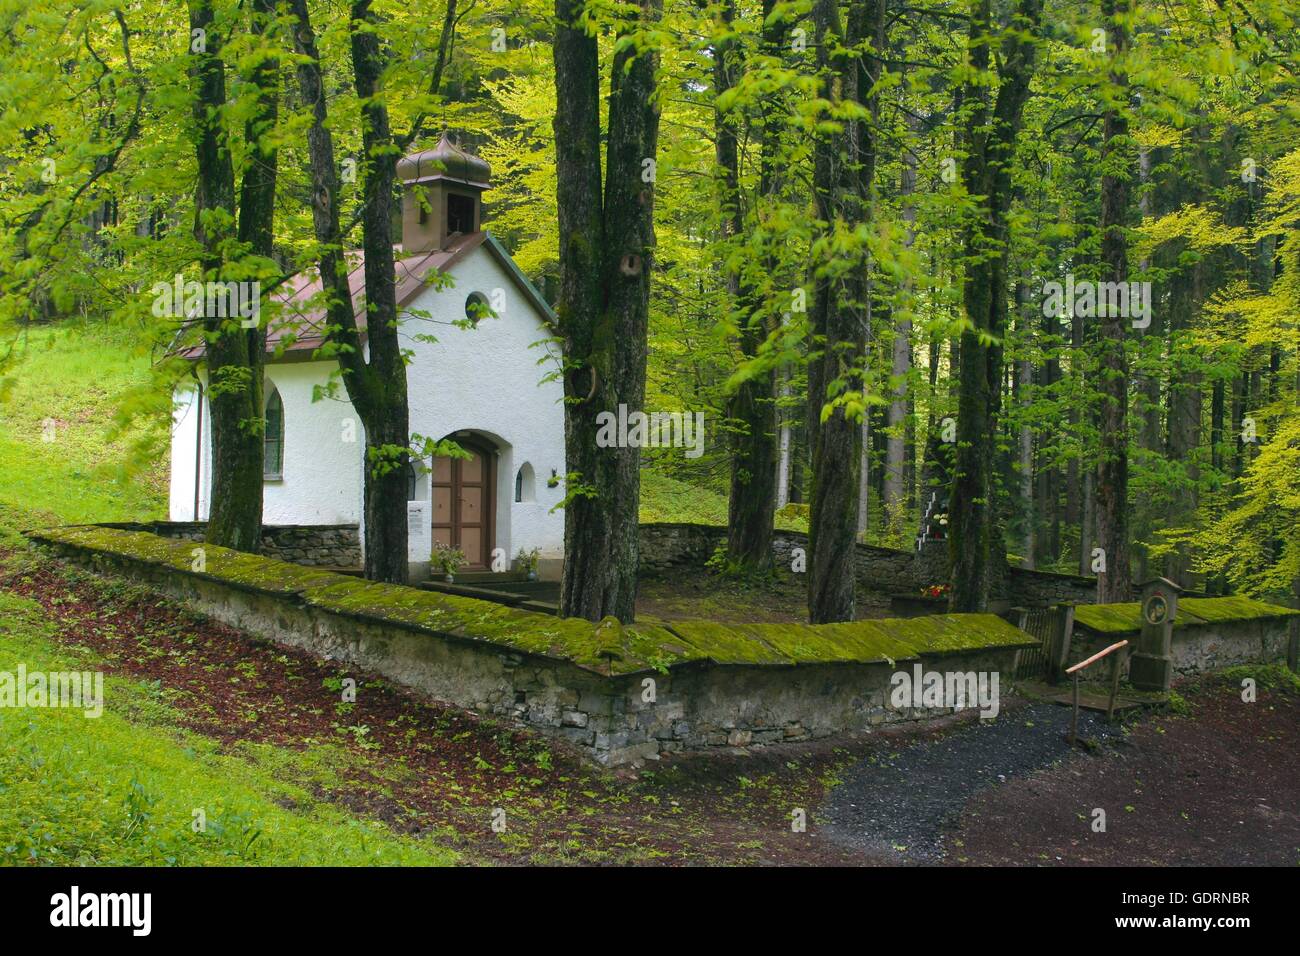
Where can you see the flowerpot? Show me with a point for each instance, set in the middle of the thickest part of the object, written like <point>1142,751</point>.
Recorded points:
<point>449,578</point>
<point>532,575</point>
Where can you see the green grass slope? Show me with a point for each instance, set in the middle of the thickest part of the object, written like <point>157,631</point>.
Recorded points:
<point>61,459</point>
<point>123,788</point>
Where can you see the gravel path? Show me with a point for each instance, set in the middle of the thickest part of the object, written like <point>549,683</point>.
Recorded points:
<point>897,804</point>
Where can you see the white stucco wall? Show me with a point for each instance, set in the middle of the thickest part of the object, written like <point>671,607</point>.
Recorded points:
<point>185,424</point>
<point>487,380</point>
<point>323,447</point>
<point>321,481</point>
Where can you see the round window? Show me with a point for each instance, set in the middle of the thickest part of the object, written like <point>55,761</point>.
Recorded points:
<point>476,307</point>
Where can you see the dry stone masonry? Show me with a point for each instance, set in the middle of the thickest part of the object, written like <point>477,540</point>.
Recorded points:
<point>618,693</point>
<point>316,545</point>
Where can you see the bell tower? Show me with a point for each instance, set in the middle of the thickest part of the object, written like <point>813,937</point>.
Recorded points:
<point>442,192</point>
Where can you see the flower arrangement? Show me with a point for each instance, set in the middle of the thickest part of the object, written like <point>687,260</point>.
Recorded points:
<point>527,561</point>
<point>447,558</point>
<point>936,591</point>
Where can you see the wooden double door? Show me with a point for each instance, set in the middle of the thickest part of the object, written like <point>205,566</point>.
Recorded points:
<point>464,503</point>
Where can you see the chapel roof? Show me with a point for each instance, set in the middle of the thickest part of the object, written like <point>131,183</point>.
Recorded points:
<point>299,328</point>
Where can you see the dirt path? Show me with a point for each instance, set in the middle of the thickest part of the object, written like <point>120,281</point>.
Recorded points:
<point>1219,787</point>
<point>898,805</point>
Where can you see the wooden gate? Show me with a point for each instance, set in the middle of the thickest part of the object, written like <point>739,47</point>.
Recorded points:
<point>1052,627</point>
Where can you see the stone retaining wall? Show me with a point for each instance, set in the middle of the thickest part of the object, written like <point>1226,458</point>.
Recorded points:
<point>317,545</point>
<point>618,694</point>
<point>1201,648</point>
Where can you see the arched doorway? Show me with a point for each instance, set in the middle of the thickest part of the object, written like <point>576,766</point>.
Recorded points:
<point>464,501</point>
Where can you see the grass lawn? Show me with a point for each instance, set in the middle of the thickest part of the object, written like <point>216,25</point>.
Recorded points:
<point>62,460</point>
<point>123,788</point>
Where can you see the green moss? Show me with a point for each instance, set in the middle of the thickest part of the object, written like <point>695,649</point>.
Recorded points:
<point>1127,618</point>
<point>566,638</point>
<point>249,570</point>
<point>958,633</point>
<point>1109,618</point>
<point>860,641</point>
<point>1213,610</point>
<point>607,647</point>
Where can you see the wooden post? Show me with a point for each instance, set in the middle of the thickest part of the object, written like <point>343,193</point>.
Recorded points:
<point>1062,623</point>
<point>1074,718</point>
<point>1114,683</point>
<point>1293,646</point>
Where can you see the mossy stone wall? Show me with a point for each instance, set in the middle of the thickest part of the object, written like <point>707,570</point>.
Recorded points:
<point>619,694</point>
<point>323,545</point>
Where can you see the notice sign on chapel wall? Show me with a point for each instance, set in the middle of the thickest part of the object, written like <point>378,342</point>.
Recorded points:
<point>417,531</point>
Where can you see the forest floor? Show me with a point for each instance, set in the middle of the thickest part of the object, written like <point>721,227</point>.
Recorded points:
<point>1215,783</point>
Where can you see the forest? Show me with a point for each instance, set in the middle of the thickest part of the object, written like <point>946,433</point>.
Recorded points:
<point>1018,275</point>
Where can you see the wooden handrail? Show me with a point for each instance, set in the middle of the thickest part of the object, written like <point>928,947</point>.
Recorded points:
<point>1095,657</point>
<point>1114,684</point>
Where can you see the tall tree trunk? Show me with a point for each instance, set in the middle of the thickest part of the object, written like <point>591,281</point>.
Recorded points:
<point>872,422</point>
<point>976,542</point>
<point>234,354</point>
<point>375,386</point>
<point>1115,584</point>
<point>1049,476</point>
<point>843,166</point>
<point>606,255</point>
<point>386,415</point>
<point>1025,462</point>
<point>897,493</point>
<point>751,409</point>
<point>1184,417</point>
<point>785,442</point>
<point>1147,385</point>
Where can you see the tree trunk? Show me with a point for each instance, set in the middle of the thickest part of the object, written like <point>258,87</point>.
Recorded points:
<point>976,541</point>
<point>606,256</point>
<point>897,492</point>
<point>234,354</point>
<point>843,167</point>
<point>1024,383</point>
<point>751,409</point>
<point>376,387</point>
<point>386,415</point>
<point>1115,584</point>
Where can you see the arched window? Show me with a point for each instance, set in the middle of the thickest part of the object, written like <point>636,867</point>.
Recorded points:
<point>524,483</point>
<point>273,438</point>
<point>412,481</point>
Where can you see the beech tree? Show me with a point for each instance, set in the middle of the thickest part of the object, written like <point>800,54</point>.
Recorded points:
<point>1114,584</point>
<point>606,255</point>
<point>848,59</point>
<point>993,122</point>
<point>237,240</point>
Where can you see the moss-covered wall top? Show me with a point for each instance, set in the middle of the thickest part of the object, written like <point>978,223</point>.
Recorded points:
<point>1192,612</point>
<point>607,647</point>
